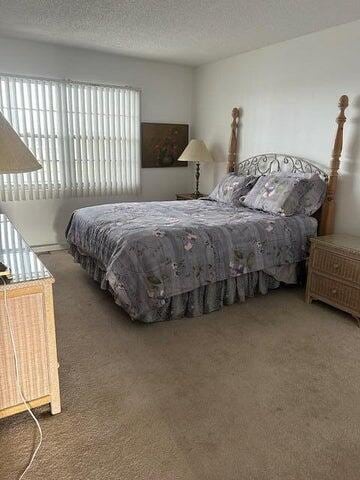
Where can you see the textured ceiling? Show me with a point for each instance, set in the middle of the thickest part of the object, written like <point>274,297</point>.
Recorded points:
<point>182,31</point>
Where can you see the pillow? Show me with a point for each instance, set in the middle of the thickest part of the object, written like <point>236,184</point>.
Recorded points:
<point>232,188</point>
<point>287,194</point>
<point>315,196</point>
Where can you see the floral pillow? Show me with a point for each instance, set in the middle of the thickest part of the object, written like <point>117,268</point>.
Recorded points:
<point>232,188</point>
<point>287,194</point>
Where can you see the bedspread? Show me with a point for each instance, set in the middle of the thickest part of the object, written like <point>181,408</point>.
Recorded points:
<point>152,251</point>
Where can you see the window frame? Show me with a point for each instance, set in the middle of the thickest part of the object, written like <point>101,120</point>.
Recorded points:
<point>13,179</point>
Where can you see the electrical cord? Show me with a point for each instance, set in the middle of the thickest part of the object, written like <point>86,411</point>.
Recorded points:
<point>18,383</point>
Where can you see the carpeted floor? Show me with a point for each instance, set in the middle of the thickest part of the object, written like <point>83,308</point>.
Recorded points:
<point>266,390</point>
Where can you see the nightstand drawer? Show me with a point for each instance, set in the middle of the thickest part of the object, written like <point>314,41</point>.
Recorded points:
<point>336,265</point>
<point>336,292</point>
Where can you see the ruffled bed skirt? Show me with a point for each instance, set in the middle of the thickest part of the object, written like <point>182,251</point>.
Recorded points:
<point>212,297</point>
<point>206,299</point>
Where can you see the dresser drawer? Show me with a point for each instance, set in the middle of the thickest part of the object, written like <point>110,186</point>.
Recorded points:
<point>335,291</point>
<point>336,265</point>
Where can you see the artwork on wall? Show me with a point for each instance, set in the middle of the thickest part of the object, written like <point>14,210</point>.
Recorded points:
<point>162,144</point>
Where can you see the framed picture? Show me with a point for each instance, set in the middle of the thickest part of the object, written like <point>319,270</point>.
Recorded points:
<point>162,144</point>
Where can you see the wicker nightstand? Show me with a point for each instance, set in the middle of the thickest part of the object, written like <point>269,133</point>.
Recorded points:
<point>334,272</point>
<point>189,196</point>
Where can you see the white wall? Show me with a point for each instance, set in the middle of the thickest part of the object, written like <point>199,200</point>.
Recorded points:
<point>166,97</point>
<point>288,93</point>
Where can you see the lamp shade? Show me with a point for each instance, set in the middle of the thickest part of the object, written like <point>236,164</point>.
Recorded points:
<point>196,151</point>
<point>15,157</point>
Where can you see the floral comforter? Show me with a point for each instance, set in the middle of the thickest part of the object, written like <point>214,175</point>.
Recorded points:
<point>150,251</point>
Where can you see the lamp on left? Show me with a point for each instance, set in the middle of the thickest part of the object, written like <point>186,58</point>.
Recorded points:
<point>15,157</point>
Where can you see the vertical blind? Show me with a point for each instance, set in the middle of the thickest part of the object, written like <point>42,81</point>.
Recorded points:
<point>87,138</point>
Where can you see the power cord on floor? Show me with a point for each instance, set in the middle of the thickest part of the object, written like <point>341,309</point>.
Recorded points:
<point>18,383</point>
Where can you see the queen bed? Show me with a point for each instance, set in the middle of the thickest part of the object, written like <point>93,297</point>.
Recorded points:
<point>167,260</point>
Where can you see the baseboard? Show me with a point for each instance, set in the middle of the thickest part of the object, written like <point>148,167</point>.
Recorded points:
<point>49,248</point>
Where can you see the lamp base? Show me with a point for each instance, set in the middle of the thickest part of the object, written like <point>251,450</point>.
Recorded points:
<point>5,272</point>
<point>197,177</point>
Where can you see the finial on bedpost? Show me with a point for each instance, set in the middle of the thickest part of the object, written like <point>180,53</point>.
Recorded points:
<point>328,209</point>
<point>232,155</point>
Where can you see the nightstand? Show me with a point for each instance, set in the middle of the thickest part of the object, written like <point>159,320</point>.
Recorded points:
<point>334,272</point>
<point>189,196</point>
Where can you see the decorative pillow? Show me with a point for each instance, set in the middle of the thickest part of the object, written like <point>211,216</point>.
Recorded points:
<point>314,196</point>
<point>287,194</point>
<point>232,188</point>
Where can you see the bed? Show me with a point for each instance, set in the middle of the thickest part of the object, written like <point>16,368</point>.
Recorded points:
<point>168,260</point>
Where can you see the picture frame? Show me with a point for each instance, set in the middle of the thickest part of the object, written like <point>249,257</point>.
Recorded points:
<point>162,144</point>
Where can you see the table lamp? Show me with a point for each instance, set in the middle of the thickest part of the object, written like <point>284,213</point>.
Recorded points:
<point>15,157</point>
<point>197,152</point>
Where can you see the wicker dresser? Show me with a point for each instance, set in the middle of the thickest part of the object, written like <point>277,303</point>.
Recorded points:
<point>30,306</point>
<point>334,272</point>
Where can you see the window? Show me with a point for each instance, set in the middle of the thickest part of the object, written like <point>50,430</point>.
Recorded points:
<point>87,137</point>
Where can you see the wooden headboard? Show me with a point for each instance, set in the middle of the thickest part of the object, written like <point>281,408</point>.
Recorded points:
<point>274,162</point>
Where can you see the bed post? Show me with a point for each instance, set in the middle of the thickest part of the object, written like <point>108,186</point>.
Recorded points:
<point>328,209</point>
<point>232,155</point>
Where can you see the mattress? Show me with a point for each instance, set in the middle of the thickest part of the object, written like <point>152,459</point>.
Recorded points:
<point>151,252</point>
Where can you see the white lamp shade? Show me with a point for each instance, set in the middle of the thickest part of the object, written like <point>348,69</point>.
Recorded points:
<point>196,151</point>
<point>15,157</point>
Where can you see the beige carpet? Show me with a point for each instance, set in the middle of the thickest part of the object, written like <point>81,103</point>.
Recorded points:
<point>269,389</point>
